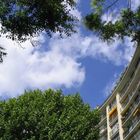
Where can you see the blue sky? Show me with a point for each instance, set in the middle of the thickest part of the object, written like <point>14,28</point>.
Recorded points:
<point>81,63</point>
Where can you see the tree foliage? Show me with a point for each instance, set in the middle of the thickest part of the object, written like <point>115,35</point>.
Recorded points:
<point>23,19</point>
<point>127,25</point>
<point>47,115</point>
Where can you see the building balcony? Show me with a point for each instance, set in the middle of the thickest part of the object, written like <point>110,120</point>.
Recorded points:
<point>135,124</point>
<point>122,95</point>
<point>102,121</point>
<point>114,131</point>
<point>136,136</point>
<point>103,131</point>
<point>130,84</point>
<point>132,114</point>
<point>103,137</point>
<point>112,110</point>
<point>132,104</point>
<point>116,138</point>
<point>130,99</point>
<point>113,120</point>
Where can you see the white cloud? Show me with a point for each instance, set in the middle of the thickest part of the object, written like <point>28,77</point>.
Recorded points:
<point>135,4</point>
<point>82,46</point>
<point>114,14</point>
<point>24,69</point>
<point>111,16</point>
<point>59,66</point>
<point>74,11</point>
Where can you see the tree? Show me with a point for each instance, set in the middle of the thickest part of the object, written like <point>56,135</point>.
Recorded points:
<point>23,19</point>
<point>48,115</point>
<point>127,25</point>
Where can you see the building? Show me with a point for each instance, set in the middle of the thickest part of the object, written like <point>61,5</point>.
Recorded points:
<point>120,113</point>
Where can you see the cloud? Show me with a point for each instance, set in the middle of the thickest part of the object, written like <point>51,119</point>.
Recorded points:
<point>114,14</point>
<point>28,69</point>
<point>117,52</point>
<point>31,68</point>
<point>58,65</point>
<point>135,4</point>
<point>111,16</point>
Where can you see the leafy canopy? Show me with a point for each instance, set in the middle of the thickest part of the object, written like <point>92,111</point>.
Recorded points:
<point>22,19</point>
<point>47,115</point>
<point>127,25</point>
